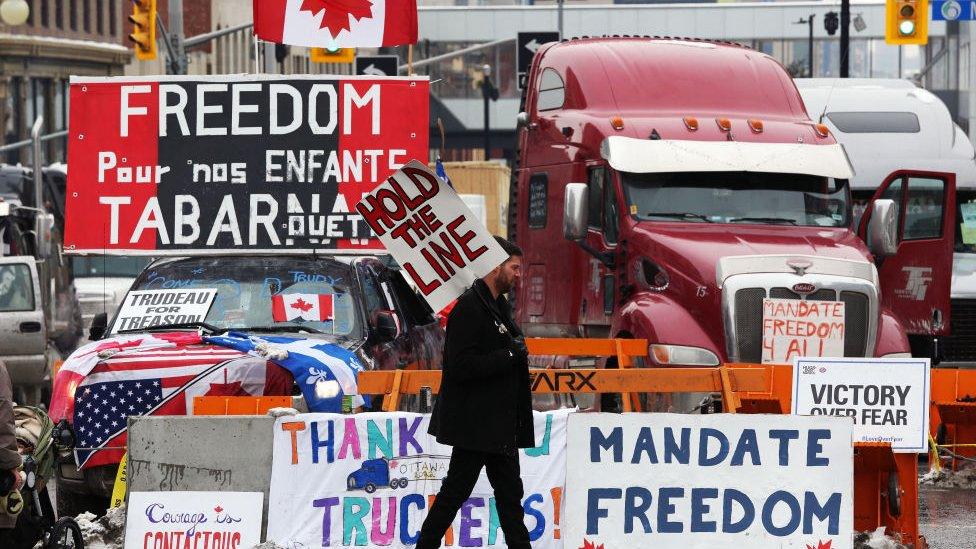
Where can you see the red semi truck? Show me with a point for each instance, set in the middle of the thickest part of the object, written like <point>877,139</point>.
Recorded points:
<point>676,190</point>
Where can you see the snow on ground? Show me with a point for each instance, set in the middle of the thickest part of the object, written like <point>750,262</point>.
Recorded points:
<point>876,540</point>
<point>106,532</point>
<point>945,478</point>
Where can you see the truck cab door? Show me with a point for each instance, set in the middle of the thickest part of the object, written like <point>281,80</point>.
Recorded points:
<point>598,297</point>
<point>915,280</point>
<point>23,333</point>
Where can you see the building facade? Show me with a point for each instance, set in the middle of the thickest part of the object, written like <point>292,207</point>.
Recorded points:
<point>60,38</point>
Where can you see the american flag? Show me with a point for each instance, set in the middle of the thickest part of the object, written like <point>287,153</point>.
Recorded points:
<point>160,381</point>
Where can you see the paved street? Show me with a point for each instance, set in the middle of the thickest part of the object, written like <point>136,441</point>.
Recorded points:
<point>946,517</point>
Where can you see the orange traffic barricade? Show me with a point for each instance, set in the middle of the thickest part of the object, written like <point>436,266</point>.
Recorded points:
<point>238,405</point>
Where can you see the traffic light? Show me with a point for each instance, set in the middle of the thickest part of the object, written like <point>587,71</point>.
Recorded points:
<point>831,22</point>
<point>907,22</point>
<point>144,28</point>
<point>332,55</point>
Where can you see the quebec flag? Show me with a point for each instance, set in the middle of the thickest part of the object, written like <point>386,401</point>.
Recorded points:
<point>324,371</point>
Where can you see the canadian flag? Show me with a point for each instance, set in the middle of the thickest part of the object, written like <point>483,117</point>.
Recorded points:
<point>309,307</point>
<point>332,23</point>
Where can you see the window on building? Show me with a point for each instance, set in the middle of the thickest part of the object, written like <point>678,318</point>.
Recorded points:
<point>30,13</point>
<point>73,14</point>
<point>59,14</point>
<point>11,130</point>
<point>875,122</point>
<point>86,15</point>
<point>99,16</point>
<point>45,13</point>
<point>113,17</point>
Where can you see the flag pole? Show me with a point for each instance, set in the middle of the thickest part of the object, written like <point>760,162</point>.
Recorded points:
<point>410,60</point>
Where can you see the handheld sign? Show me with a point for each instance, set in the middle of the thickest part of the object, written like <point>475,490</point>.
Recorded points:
<point>429,230</point>
<point>193,519</point>
<point>170,165</point>
<point>887,398</point>
<point>148,308</point>
<point>674,481</point>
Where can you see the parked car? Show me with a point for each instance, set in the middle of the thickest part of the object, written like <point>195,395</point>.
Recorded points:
<point>376,315</point>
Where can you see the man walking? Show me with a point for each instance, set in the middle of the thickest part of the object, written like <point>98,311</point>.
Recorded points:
<point>484,409</point>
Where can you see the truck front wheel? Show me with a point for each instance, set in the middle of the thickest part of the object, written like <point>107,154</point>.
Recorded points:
<point>370,488</point>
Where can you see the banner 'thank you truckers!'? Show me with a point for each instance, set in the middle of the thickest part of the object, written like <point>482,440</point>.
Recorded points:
<point>172,165</point>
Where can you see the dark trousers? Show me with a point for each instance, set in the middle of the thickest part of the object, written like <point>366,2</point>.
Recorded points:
<point>462,474</point>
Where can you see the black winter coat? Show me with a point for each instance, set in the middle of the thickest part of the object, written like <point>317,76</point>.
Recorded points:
<point>484,403</point>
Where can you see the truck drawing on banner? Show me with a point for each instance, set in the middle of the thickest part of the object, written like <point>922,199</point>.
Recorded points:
<point>680,204</point>
<point>398,472</point>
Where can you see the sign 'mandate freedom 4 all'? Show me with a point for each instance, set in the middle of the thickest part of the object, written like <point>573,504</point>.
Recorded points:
<point>166,165</point>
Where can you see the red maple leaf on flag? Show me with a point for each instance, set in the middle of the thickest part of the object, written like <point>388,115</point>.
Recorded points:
<point>338,13</point>
<point>302,305</point>
<point>587,544</point>
<point>219,509</point>
<point>822,545</point>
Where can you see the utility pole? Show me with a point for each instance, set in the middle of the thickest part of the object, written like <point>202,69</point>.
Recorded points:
<point>178,64</point>
<point>559,14</point>
<point>845,38</point>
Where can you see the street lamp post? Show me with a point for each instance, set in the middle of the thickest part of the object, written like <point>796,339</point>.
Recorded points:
<point>809,23</point>
<point>489,93</point>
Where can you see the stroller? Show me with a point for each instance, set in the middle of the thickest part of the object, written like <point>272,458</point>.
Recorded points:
<point>36,521</point>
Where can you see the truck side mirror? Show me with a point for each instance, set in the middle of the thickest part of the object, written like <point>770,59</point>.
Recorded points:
<point>387,326</point>
<point>98,326</point>
<point>883,228</point>
<point>575,208</point>
<point>43,225</point>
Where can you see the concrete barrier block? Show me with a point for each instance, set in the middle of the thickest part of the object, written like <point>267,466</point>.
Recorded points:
<point>204,453</point>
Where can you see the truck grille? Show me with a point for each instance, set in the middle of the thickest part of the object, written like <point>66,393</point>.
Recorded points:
<point>961,345</point>
<point>748,319</point>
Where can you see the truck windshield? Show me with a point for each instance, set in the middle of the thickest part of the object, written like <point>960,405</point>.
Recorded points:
<point>247,288</point>
<point>738,197</point>
<point>966,221</point>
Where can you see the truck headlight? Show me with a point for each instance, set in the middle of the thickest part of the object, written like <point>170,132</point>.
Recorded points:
<point>667,355</point>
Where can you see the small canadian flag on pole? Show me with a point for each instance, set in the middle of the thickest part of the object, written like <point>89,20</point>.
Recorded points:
<point>335,23</point>
<point>307,307</point>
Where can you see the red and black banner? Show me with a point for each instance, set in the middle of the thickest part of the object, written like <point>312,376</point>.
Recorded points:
<point>174,165</point>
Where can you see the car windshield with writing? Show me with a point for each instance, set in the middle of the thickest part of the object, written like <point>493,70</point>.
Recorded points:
<point>287,294</point>
<point>738,197</point>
